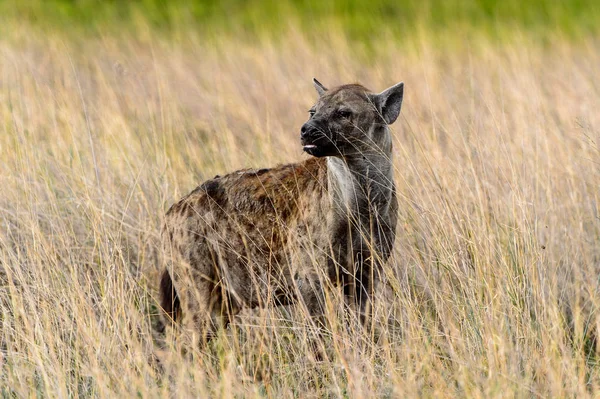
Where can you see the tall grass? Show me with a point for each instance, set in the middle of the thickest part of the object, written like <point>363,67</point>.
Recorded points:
<point>492,290</point>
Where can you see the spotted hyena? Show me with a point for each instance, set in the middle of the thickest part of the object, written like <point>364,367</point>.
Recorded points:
<point>254,236</point>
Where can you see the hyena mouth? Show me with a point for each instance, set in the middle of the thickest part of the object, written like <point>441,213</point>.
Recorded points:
<point>318,150</point>
<point>311,145</point>
<point>311,149</point>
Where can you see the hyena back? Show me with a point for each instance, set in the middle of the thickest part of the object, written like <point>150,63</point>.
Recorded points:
<point>254,236</point>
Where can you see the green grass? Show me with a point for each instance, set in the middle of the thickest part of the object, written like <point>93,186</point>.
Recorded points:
<point>359,20</point>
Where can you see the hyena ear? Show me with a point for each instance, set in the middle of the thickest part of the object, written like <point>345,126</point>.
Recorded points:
<point>320,88</point>
<point>389,101</point>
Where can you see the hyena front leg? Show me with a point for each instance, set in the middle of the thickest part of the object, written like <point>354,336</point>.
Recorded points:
<point>370,255</point>
<point>364,283</point>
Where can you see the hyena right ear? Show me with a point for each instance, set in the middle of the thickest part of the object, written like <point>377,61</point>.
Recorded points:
<point>320,88</point>
<point>389,101</point>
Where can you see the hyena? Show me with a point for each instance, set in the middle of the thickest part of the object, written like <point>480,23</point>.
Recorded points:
<point>286,233</point>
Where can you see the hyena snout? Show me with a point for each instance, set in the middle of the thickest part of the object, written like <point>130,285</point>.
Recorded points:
<point>315,141</point>
<point>310,132</point>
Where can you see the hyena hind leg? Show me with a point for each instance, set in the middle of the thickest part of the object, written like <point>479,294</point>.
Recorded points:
<point>206,310</point>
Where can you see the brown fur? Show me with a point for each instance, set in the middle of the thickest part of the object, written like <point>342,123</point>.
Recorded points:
<point>252,236</point>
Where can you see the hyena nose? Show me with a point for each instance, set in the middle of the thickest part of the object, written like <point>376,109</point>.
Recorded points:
<point>304,131</point>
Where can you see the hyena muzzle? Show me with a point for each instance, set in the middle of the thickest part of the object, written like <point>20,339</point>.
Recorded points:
<point>278,235</point>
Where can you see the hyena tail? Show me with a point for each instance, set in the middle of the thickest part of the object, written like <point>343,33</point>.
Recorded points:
<point>169,300</point>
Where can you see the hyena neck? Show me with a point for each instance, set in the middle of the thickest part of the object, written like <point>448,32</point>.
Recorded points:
<point>363,182</point>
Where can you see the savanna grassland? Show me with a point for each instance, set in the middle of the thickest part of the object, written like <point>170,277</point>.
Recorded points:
<point>110,112</point>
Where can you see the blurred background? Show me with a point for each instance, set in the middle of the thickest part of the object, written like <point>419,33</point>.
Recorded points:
<point>358,20</point>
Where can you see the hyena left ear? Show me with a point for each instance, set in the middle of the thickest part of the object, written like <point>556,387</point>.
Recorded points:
<point>389,101</point>
<point>320,88</point>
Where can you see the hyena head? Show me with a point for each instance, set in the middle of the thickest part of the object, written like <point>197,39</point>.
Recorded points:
<point>349,120</point>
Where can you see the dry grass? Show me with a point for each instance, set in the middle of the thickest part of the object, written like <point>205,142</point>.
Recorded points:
<point>493,287</point>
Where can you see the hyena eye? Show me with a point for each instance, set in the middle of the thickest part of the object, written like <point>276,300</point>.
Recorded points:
<point>344,113</point>
<point>311,112</point>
